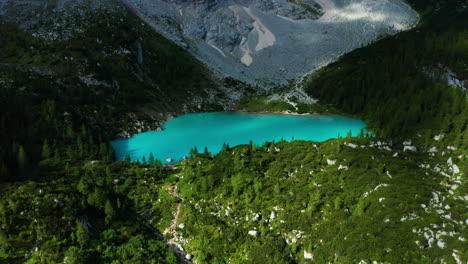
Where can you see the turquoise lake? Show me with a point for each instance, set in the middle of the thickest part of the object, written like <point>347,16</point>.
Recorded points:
<point>212,130</point>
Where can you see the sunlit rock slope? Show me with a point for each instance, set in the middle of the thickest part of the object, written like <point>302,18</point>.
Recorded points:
<point>273,40</point>
<point>255,41</point>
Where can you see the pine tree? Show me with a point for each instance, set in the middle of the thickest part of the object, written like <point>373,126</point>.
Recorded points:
<point>224,147</point>
<point>83,186</point>
<point>193,151</point>
<point>109,211</point>
<point>46,151</point>
<point>108,175</point>
<point>56,155</point>
<point>22,159</point>
<point>80,234</point>
<point>151,158</point>
<point>70,132</point>
<point>79,142</point>
<point>127,158</point>
<point>4,243</point>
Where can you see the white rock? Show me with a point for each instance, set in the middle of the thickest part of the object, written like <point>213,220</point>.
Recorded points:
<point>455,169</point>
<point>331,162</point>
<point>253,233</point>
<point>407,143</point>
<point>441,244</point>
<point>456,256</point>
<point>308,255</point>
<point>449,161</point>
<point>438,137</point>
<point>431,241</point>
<point>188,257</point>
<point>181,226</point>
<point>433,150</point>
<point>272,215</point>
<point>256,217</point>
<point>343,167</point>
<point>169,160</point>
<point>410,148</point>
<point>388,174</point>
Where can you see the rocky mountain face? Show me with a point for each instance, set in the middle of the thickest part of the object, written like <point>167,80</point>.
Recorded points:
<point>272,41</point>
<point>261,42</point>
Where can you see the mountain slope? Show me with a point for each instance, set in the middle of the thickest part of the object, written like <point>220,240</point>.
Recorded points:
<point>241,39</point>
<point>63,197</point>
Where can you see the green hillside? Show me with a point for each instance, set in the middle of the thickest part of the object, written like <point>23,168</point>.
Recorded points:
<point>64,198</point>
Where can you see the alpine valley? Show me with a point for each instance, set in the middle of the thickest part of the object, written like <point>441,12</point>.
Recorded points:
<point>233,131</point>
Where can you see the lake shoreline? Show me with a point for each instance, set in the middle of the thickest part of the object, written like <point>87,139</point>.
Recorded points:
<point>124,135</point>
<point>286,113</point>
<point>212,130</point>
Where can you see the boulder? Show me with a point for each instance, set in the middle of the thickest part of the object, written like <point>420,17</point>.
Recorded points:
<point>308,255</point>
<point>253,232</point>
<point>409,148</point>
<point>272,215</point>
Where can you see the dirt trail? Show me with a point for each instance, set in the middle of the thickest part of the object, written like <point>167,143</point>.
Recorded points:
<point>171,229</point>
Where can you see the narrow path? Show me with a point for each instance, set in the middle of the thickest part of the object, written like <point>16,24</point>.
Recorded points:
<point>171,229</point>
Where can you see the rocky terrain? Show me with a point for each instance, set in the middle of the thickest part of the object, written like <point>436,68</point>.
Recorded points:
<point>272,41</point>
<point>265,42</point>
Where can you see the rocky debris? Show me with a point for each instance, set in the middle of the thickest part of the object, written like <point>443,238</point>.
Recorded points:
<point>272,215</point>
<point>308,255</point>
<point>343,167</point>
<point>256,217</point>
<point>123,135</point>
<point>242,39</point>
<point>409,148</point>
<point>375,189</point>
<point>433,150</point>
<point>253,232</point>
<point>351,145</point>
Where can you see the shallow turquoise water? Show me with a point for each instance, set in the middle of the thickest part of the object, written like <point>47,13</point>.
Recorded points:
<point>213,129</point>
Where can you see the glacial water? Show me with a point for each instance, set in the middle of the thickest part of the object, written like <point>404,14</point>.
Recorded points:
<point>212,130</point>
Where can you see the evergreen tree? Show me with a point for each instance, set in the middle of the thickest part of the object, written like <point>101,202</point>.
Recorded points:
<point>83,186</point>
<point>127,158</point>
<point>193,151</point>
<point>109,211</point>
<point>225,147</point>
<point>80,234</point>
<point>46,151</point>
<point>4,243</point>
<point>151,158</point>
<point>75,255</point>
<point>22,159</point>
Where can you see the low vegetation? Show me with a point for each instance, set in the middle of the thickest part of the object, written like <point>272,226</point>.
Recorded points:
<point>399,197</point>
